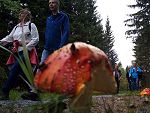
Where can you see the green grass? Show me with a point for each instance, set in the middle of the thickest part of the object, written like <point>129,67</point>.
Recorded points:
<point>129,93</point>
<point>16,95</point>
<point>123,89</point>
<point>121,93</point>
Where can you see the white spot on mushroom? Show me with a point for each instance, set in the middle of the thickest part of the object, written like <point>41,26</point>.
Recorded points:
<point>82,67</point>
<point>77,61</point>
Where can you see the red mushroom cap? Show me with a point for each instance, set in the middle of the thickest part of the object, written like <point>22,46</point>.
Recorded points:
<point>70,68</point>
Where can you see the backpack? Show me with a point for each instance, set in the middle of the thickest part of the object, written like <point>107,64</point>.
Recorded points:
<point>11,44</point>
<point>37,46</point>
<point>28,26</point>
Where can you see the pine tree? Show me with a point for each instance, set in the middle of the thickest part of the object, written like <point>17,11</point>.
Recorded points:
<point>140,22</point>
<point>8,15</point>
<point>84,20</point>
<point>108,43</point>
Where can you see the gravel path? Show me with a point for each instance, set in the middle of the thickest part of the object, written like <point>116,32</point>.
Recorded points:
<point>120,104</point>
<point>100,104</point>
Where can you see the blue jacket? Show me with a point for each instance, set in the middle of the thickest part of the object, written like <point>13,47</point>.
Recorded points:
<point>57,31</point>
<point>134,71</point>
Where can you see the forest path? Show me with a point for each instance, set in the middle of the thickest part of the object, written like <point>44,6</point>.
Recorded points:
<point>100,104</point>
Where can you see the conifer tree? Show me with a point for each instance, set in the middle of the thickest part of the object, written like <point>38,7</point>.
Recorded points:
<point>140,32</point>
<point>108,43</point>
<point>84,20</point>
<point>8,14</point>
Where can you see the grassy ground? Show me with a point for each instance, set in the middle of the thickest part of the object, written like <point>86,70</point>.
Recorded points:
<point>123,102</point>
<point>15,94</point>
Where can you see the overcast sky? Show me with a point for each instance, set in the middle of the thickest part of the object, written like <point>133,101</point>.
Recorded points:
<point>117,11</point>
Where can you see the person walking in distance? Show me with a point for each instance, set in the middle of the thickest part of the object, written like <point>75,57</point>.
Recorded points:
<point>128,78</point>
<point>134,75</point>
<point>117,75</point>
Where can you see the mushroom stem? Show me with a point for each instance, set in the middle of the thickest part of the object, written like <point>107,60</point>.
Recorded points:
<point>83,101</point>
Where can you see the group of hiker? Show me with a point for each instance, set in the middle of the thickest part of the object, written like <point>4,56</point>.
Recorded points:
<point>56,36</point>
<point>133,76</point>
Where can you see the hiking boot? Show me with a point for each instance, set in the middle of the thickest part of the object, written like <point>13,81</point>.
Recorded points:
<point>30,96</point>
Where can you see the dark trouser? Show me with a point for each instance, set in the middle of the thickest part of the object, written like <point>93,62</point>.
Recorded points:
<point>13,75</point>
<point>118,83</point>
<point>140,83</point>
<point>134,85</point>
<point>129,83</point>
<point>45,54</point>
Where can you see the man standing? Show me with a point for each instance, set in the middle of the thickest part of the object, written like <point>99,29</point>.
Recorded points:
<point>117,75</point>
<point>57,30</point>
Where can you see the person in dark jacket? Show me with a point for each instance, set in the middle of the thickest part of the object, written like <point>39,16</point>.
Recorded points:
<point>117,74</point>
<point>128,78</point>
<point>57,30</point>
